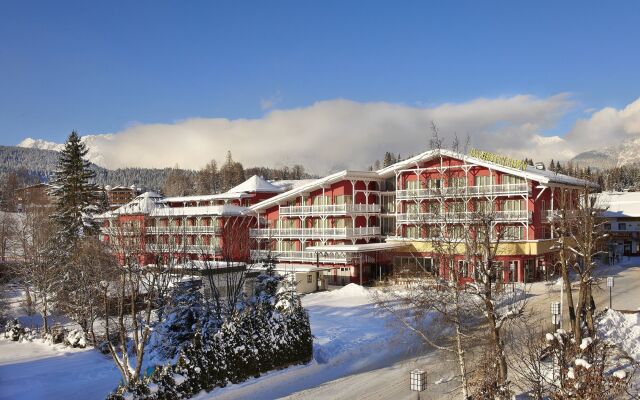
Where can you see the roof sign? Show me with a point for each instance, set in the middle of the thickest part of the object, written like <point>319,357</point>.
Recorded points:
<point>498,159</point>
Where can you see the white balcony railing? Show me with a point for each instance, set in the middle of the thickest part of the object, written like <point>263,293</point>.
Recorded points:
<point>330,209</point>
<point>557,214</point>
<point>300,256</point>
<point>425,193</point>
<point>179,248</point>
<point>183,229</point>
<point>343,233</point>
<point>453,217</point>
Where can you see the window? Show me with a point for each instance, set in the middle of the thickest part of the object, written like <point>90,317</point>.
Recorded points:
<point>513,205</point>
<point>456,232</point>
<point>413,232</point>
<point>463,268</point>
<point>607,227</point>
<point>413,184</point>
<point>433,232</point>
<point>434,207</point>
<point>457,207</point>
<point>412,208</point>
<point>511,180</point>
<point>513,232</point>
<point>343,199</point>
<point>483,206</point>
<point>484,180</point>
<point>543,206</point>
<point>434,183</point>
<point>309,278</point>
<point>458,182</point>
<point>622,226</point>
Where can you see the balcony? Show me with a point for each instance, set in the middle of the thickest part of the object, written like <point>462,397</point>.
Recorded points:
<point>330,209</point>
<point>330,233</point>
<point>299,256</point>
<point>552,215</point>
<point>468,191</point>
<point>466,216</point>
<point>183,229</point>
<point>204,249</point>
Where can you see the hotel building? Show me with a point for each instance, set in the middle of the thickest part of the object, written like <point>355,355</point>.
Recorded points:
<point>357,226</point>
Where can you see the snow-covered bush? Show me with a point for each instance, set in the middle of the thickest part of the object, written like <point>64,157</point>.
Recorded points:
<point>271,330</point>
<point>591,369</point>
<point>13,330</point>
<point>183,315</point>
<point>76,338</point>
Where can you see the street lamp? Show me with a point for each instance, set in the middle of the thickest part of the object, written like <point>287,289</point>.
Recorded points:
<point>555,314</point>
<point>418,381</point>
<point>610,286</point>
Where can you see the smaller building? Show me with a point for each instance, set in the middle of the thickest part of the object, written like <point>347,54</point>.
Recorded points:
<point>34,195</point>
<point>121,195</point>
<point>623,223</point>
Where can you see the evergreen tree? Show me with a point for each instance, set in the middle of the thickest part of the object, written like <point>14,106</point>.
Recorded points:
<point>76,195</point>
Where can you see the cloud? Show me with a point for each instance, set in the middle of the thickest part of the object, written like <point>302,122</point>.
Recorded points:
<point>337,134</point>
<point>270,102</point>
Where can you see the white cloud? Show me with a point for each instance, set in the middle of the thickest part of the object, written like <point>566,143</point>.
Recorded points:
<point>336,134</point>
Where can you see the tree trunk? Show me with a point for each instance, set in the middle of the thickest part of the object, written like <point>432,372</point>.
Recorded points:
<point>569,296</point>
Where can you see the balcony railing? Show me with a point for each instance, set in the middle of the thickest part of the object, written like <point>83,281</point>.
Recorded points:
<point>300,256</point>
<point>426,193</point>
<point>330,209</point>
<point>557,214</point>
<point>453,217</point>
<point>315,232</point>
<point>184,229</point>
<point>180,248</point>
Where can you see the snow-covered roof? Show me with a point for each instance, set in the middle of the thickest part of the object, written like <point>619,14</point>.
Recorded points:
<point>206,197</point>
<point>316,184</point>
<point>256,184</point>
<point>222,210</point>
<point>289,184</point>
<point>143,204</point>
<point>620,204</point>
<point>356,248</point>
<point>531,172</point>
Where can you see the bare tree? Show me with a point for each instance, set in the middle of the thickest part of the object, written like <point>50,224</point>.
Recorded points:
<point>563,224</point>
<point>587,241</point>
<point>130,297</point>
<point>497,305</point>
<point>80,298</point>
<point>233,255</point>
<point>39,267</point>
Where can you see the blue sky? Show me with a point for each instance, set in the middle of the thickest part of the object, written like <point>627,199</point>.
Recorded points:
<point>102,66</point>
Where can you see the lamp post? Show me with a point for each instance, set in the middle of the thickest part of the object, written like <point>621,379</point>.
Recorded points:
<point>418,381</point>
<point>610,286</point>
<point>555,314</point>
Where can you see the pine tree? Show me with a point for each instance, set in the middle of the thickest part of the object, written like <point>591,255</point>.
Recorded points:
<point>76,195</point>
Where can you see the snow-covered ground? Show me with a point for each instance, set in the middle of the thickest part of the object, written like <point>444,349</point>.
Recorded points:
<point>35,370</point>
<point>358,353</point>
<point>622,329</point>
<point>351,336</point>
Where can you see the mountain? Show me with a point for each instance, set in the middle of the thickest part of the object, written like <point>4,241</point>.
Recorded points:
<point>626,153</point>
<point>37,162</point>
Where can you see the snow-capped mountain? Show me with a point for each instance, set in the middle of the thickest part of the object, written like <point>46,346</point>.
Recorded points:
<point>30,143</point>
<point>94,155</point>
<point>625,153</point>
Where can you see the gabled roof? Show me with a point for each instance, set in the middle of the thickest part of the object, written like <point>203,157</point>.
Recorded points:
<point>314,185</point>
<point>620,204</point>
<point>256,184</point>
<point>531,173</point>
